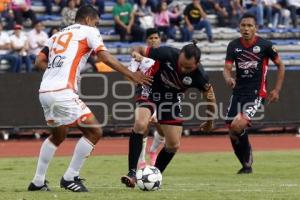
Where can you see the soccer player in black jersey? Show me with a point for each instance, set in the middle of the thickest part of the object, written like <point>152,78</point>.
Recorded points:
<point>250,54</point>
<point>174,71</point>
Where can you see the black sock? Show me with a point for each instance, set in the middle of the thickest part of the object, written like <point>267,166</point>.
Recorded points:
<point>135,148</point>
<point>246,149</point>
<point>242,149</point>
<point>163,159</point>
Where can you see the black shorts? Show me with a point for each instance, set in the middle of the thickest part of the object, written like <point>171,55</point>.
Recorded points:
<point>245,105</point>
<point>167,111</point>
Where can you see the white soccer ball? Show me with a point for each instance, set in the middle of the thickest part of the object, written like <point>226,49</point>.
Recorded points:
<point>149,178</point>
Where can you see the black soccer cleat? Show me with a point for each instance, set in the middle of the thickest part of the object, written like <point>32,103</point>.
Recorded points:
<point>33,187</point>
<point>245,170</point>
<point>74,186</point>
<point>130,179</point>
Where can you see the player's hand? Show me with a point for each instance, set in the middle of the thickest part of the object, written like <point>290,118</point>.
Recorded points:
<point>207,126</point>
<point>230,82</point>
<point>140,78</point>
<point>273,96</point>
<point>153,120</point>
<point>137,56</point>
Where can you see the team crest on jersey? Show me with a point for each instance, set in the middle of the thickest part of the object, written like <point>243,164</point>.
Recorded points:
<point>256,49</point>
<point>187,80</point>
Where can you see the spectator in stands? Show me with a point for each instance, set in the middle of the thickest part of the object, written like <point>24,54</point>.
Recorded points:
<point>195,19</point>
<point>21,10</point>
<point>256,8</point>
<point>5,50</point>
<point>162,20</point>
<point>227,13</point>
<point>20,46</point>
<point>6,14</point>
<point>152,3</point>
<point>98,4</point>
<point>273,11</point>
<point>68,13</point>
<point>124,22</point>
<point>294,7</point>
<point>143,14</point>
<point>37,38</point>
<point>52,31</point>
<point>49,3</point>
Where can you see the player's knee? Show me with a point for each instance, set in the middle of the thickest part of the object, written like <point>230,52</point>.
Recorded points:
<point>237,126</point>
<point>56,140</point>
<point>141,126</point>
<point>95,135</point>
<point>173,148</point>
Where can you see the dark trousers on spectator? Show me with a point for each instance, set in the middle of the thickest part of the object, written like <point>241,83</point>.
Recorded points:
<point>26,60</point>
<point>12,59</point>
<point>168,31</point>
<point>137,33</point>
<point>187,35</point>
<point>294,12</point>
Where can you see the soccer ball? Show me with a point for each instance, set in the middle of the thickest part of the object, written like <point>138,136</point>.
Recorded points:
<point>149,178</point>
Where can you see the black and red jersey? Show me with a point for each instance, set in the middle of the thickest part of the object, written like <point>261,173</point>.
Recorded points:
<point>251,62</point>
<point>167,78</point>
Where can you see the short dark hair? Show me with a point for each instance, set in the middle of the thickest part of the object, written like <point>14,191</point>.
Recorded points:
<point>248,15</point>
<point>151,31</point>
<point>192,50</point>
<point>85,11</point>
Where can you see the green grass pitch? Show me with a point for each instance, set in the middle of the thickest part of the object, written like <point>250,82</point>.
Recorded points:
<point>189,176</point>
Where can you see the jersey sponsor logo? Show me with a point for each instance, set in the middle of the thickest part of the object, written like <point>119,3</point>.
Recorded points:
<point>248,68</point>
<point>57,62</point>
<point>248,65</point>
<point>187,80</point>
<point>256,49</point>
<point>237,50</point>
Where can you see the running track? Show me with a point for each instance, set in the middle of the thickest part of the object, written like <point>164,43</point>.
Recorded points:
<point>119,146</point>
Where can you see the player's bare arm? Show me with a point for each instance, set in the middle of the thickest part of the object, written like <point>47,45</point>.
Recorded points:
<point>227,75</point>
<point>273,96</point>
<point>136,77</point>
<point>210,98</point>
<point>41,62</point>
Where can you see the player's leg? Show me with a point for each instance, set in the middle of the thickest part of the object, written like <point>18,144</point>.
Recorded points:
<point>92,132</point>
<point>47,152</point>
<point>57,135</point>
<point>238,131</point>
<point>172,143</point>
<point>142,159</point>
<point>158,138</point>
<point>233,110</point>
<point>240,142</point>
<point>142,117</point>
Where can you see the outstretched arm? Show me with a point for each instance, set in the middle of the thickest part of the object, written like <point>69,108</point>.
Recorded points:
<point>111,61</point>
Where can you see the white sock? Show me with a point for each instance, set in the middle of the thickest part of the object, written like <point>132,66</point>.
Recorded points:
<point>143,152</point>
<point>82,150</point>
<point>47,152</point>
<point>157,140</point>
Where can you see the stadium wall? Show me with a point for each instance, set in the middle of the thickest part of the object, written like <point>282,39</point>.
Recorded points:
<point>19,103</point>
